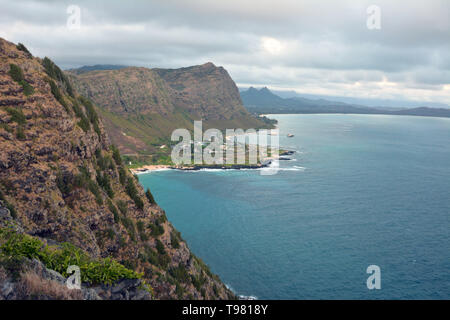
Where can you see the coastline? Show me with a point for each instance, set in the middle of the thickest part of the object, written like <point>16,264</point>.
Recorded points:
<point>195,167</point>
<point>150,168</point>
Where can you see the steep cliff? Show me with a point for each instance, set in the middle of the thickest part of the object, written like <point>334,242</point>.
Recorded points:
<point>141,107</point>
<point>62,181</point>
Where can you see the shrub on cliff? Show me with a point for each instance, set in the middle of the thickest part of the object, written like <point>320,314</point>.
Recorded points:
<point>9,206</point>
<point>6,127</point>
<point>20,134</point>
<point>156,228</point>
<point>113,210</point>
<point>122,176</point>
<point>16,115</point>
<point>55,72</point>
<point>160,247</point>
<point>21,47</point>
<point>129,225</point>
<point>28,90</point>
<point>179,273</point>
<point>58,258</point>
<point>174,240</point>
<point>116,155</point>
<point>63,183</point>
<point>133,193</point>
<point>84,124</point>
<point>91,113</point>
<point>104,182</point>
<point>16,74</point>
<point>93,187</point>
<point>123,207</point>
<point>149,196</point>
<point>58,96</point>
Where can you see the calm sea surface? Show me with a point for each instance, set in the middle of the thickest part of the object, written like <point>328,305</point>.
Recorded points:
<point>361,190</point>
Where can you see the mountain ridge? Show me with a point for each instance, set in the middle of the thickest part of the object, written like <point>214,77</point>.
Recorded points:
<point>264,101</point>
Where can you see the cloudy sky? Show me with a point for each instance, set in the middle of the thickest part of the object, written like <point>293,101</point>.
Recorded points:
<point>311,46</point>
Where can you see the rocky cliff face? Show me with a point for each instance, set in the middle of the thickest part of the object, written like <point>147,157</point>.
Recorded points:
<point>141,107</point>
<point>63,182</point>
<point>206,92</point>
<point>127,91</point>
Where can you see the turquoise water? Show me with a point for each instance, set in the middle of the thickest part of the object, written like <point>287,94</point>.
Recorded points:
<point>363,190</point>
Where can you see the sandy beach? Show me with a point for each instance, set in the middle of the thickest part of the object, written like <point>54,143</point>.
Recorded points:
<point>148,168</point>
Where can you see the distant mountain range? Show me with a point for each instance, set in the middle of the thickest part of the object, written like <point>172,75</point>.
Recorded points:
<point>264,101</point>
<point>84,69</point>
<point>368,102</point>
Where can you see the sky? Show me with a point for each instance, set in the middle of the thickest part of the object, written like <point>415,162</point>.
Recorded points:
<point>381,49</point>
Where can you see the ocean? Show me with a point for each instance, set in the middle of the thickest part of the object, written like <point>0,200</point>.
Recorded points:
<point>361,190</point>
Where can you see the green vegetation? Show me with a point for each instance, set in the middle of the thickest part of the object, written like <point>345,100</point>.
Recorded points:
<point>129,225</point>
<point>116,155</point>
<point>58,96</point>
<point>157,229</point>
<point>67,182</point>
<point>8,205</point>
<point>91,113</point>
<point>155,258</point>
<point>63,184</point>
<point>153,130</point>
<point>58,258</point>
<point>56,73</point>
<point>198,281</point>
<point>22,47</point>
<point>149,196</point>
<point>160,247</point>
<point>28,90</point>
<point>20,134</point>
<point>179,291</point>
<point>84,122</point>
<point>6,127</point>
<point>110,233</point>
<point>123,207</point>
<point>93,187</point>
<point>174,240</point>
<point>104,162</point>
<point>113,210</point>
<point>179,273</point>
<point>16,74</point>
<point>141,229</point>
<point>122,176</point>
<point>131,190</point>
<point>104,182</point>
<point>16,115</point>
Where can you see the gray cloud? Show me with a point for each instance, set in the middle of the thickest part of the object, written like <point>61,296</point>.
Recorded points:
<point>310,46</point>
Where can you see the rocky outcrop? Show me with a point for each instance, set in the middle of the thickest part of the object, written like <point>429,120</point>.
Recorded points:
<point>63,182</point>
<point>38,282</point>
